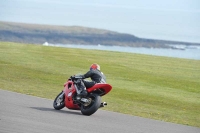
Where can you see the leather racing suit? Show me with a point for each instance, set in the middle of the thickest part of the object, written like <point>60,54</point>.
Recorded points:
<point>96,77</point>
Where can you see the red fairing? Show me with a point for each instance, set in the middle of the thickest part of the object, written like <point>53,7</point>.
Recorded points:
<point>106,87</point>
<point>88,104</point>
<point>69,92</point>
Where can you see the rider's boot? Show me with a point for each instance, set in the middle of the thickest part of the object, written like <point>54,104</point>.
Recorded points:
<point>83,92</point>
<point>82,89</point>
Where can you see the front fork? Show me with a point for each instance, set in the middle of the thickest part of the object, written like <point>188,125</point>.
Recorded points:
<point>60,97</point>
<point>78,91</point>
<point>62,94</point>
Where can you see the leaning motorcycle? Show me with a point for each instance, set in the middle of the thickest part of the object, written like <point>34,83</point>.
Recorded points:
<point>89,104</point>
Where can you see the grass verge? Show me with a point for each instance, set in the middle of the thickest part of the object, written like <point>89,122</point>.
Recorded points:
<point>161,88</point>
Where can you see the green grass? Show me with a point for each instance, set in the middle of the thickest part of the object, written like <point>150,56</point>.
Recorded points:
<point>161,88</point>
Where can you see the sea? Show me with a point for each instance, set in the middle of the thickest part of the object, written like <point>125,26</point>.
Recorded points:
<point>181,51</point>
<point>163,20</point>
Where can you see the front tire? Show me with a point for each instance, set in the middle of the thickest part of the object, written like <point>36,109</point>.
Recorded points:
<point>59,101</point>
<point>93,106</point>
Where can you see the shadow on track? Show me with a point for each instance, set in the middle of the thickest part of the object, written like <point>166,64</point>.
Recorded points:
<point>57,111</point>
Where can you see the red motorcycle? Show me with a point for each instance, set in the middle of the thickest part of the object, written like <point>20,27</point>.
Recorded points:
<point>89,104</point>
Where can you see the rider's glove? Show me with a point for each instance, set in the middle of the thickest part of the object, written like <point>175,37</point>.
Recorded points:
<point>72,77</point>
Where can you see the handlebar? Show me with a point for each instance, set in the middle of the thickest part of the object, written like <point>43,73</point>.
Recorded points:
<point>76,77</point>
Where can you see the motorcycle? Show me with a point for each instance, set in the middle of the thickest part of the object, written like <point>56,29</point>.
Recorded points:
<point>89,104</point>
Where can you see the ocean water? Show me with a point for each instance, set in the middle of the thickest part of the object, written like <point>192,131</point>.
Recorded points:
<point>175,20</point>
<point>192,52</point>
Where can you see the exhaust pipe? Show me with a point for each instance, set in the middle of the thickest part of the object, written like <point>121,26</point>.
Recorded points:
<point>103,104</point>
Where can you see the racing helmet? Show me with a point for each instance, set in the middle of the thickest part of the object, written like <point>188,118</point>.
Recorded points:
<point>94,67</point>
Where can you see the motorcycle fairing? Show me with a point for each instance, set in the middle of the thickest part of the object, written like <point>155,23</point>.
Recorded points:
<point>69,93</point>
<point>100,88</point>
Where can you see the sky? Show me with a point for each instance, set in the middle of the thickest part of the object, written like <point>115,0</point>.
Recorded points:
<point>177,20</point>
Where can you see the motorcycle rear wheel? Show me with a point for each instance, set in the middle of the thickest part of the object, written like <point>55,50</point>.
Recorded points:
<point>93,106</point>
<point>59,101</point>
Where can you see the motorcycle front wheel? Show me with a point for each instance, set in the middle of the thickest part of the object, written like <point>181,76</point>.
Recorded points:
<point>93,106</point>
<point>59,101</point>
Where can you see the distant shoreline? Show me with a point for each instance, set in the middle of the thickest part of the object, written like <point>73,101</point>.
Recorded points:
<point>187,53</point>
<point>38,34</point>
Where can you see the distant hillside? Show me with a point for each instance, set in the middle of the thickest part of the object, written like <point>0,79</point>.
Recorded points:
<point>38,34</point>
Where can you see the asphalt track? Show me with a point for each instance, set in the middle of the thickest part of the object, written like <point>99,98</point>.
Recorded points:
<point>21,113</point>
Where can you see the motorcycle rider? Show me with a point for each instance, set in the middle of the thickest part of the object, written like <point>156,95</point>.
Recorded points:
<point>96,77</point>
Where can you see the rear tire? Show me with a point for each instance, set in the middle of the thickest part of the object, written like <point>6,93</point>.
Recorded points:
<point>93,107</point>
<point>59,101</point>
